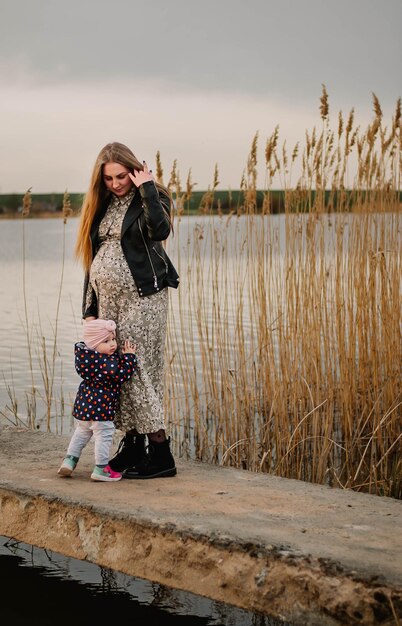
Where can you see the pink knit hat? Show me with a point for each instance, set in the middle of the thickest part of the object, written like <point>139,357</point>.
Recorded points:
<point>97,331</point>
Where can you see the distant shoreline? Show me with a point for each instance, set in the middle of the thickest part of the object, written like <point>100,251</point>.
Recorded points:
<point>219,202</point>
<point>36,215</point>
<point>51,204</point>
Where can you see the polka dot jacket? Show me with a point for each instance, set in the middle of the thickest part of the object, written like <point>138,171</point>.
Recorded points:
<point>103,375</point>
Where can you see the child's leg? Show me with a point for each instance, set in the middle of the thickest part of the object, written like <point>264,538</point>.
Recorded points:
<point>81,436</point>
<point>103,433</point>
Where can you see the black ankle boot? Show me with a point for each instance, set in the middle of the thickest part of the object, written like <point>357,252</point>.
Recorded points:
<point>131,451</point>
<point>157,463</point>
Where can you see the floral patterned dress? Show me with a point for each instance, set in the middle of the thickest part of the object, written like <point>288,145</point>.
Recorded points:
<point>140,319</point>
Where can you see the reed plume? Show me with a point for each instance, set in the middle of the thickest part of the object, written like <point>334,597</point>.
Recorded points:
<point>67,210</point>
<point>27,203</point>
<point>159,169</point>
<point>324,104</point>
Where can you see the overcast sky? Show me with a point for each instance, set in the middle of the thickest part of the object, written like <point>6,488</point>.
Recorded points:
<point>194,80</point>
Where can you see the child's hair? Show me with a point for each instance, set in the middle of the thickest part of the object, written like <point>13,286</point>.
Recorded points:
<point>97,331</point>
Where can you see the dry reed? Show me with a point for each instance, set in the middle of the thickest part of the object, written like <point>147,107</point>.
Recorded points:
<point>284,348</point>
<point>30,395</point>
<point>41,405</point>
<point>48,365</point>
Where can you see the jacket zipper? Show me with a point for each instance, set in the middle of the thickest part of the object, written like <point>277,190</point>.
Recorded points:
<point>161,257</point>
<point>149,257</point>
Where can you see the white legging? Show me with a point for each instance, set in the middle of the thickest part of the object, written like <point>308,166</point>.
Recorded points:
<point>103,434</point>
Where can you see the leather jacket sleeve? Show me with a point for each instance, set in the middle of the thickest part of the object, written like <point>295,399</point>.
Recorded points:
<point>156,212</point>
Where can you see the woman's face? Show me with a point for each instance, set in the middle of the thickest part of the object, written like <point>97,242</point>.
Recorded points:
<point>116,178</point>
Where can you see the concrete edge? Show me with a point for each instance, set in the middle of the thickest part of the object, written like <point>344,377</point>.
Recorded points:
<point>273,581</point>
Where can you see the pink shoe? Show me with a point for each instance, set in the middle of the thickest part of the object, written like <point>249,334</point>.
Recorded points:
<point>105,474</point>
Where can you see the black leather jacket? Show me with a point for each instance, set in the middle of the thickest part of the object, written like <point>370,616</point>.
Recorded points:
<point>145,225</point>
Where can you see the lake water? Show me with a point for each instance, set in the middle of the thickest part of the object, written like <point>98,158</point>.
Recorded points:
<point>63,591</point>
<point>41,288</point>
<point>40,282</point>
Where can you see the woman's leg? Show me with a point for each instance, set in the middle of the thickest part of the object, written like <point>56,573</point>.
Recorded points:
<point>158,462</point>
<point>157,437</point>
<point>141,405</point>
<point>130,452</point>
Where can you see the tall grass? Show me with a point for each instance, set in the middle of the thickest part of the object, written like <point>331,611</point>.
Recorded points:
<point>42,407</point>
<point>286,356</point>
<point>48,362</point>
<point>30,395</point>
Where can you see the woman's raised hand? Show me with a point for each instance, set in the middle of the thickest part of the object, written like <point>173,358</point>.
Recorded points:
<point>141,176</point>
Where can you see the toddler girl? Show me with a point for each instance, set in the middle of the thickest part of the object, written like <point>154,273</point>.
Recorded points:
<point>103,372</point>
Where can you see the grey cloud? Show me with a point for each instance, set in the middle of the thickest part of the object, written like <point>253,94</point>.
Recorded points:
<point>285,47</point>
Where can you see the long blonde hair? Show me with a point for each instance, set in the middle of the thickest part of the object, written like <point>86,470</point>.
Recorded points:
<point>97,193</point>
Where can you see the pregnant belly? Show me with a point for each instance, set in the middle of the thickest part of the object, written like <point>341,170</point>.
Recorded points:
<point>109,270</point>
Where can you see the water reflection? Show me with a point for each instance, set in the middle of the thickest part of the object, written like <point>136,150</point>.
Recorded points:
<point>63,591</point>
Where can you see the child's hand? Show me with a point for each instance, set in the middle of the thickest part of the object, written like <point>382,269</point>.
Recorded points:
<point>129,347</point>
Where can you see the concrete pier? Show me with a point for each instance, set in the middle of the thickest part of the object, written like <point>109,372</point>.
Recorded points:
<point>295,551</point>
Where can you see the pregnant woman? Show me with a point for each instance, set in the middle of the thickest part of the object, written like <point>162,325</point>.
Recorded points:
<point>125,218</point>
